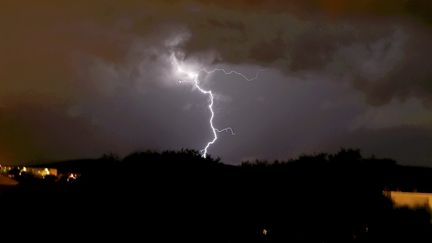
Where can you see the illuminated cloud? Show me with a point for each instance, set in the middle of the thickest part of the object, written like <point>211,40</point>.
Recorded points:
<point>105,68</point>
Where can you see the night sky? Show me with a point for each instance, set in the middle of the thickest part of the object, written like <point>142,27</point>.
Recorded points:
<point>83,78</point>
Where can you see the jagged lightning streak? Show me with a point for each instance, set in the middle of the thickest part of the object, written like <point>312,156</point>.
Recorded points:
<point>194,76</point>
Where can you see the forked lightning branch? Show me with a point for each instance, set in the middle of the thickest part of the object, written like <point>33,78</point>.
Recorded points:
<point>193,77</point>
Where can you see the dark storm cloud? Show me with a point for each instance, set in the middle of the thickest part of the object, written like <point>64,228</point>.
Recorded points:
<point>41,129</point>
<point>103,69</point>
<point>351,37</point>
<point>384,58</point>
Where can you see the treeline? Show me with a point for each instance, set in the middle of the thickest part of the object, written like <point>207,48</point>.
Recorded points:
<point>178,195</point>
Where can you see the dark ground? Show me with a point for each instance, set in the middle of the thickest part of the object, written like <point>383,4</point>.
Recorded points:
<point>180,197</point>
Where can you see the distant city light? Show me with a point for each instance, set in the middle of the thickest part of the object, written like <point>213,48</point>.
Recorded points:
<point>72,177</point>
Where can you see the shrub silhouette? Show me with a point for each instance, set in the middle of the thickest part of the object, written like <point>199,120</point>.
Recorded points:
<point>178,195</point>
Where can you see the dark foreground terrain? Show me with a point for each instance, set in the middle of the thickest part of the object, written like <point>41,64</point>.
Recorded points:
<point>180,197</point>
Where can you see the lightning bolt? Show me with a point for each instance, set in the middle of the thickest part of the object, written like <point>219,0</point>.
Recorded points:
<point>194,76</point>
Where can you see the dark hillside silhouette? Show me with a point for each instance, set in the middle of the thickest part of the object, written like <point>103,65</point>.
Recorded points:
<point>180,196</point>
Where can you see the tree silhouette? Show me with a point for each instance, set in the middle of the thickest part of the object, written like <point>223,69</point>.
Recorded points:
<point>178,195</point>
